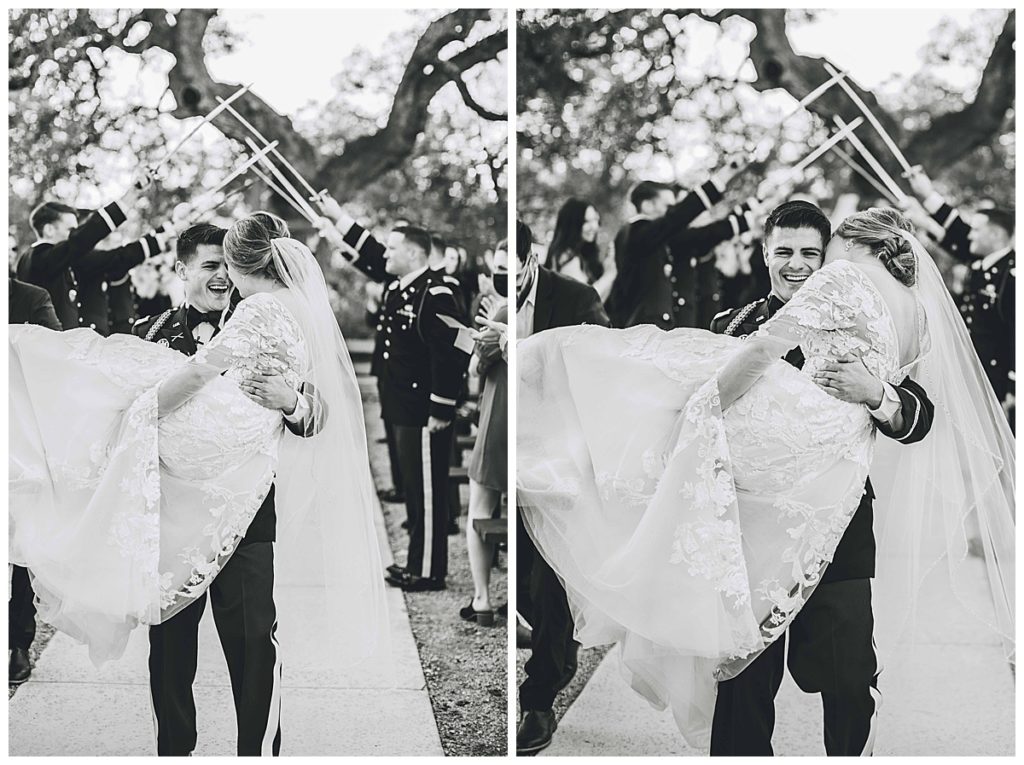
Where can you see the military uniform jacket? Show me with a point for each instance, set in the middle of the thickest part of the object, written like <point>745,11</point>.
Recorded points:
<point>425,353</point>
<point>28,304</point>
<point>855,555</point>
<point>49,265</point>
<point>695,279</point>
<point>105,293</point>
<point>988,301</point>
<point>644,290</point>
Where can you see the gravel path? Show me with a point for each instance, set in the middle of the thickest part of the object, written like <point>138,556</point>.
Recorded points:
<point>465,665</point>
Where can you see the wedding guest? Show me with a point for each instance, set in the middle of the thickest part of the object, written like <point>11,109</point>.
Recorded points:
<point>488,465</point>
<point>66,248</point>
<point>831,644</point>
<point>544,300</point>
<point>988,300</point>
<point>26,304</point>
<point>574,250</point>
<point>646,286</point>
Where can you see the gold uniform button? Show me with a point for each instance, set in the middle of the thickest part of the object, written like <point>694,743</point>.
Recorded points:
<point>666,316</point>
<point>386,355</point>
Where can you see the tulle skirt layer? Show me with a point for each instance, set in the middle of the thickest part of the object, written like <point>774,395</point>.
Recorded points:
<point>123,519</point>
<point>689,537</point>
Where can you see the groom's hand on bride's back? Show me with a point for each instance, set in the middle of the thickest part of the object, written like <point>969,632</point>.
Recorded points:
<point>271,392</point>
<point>849,380</point>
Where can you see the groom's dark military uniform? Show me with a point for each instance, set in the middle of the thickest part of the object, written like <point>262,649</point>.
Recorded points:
<point>831,648</point>
<point>242,596</point>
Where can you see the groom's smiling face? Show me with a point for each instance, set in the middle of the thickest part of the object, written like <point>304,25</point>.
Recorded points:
<point>205,277</point>
<point>792,255</point>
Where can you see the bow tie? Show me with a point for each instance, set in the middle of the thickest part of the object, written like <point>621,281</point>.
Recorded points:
<point>194,317</point>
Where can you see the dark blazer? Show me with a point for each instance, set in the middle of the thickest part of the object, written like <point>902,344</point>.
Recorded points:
<point>565,302</point>
<point>28,304</point>
<point>645,287</point>
<point>855,555</point>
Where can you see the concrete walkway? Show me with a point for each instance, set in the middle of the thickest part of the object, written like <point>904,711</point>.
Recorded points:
<point>961,702</point>
<point>71,708</point>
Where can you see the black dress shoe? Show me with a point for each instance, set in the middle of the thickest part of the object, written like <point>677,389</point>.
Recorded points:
<point>19,669</point>
<point>470,614</point>
<point>524,636</point>
<point>535,731</point>
<point>391,495</point>
<point>423,584</point>
<point>395,570</point>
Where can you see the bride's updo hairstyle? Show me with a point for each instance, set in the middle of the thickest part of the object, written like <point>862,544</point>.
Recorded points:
<point>249,245</point>
<point>882,230</point>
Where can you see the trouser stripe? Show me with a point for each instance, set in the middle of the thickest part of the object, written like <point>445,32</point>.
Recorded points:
<point>428,503</point>
<point>274,713</point>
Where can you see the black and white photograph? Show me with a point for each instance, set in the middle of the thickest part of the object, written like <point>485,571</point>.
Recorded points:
<point>765,454</point>
<point>258,396</point>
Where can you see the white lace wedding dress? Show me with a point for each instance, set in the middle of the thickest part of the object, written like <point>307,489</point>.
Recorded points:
<point>121,517</point>
<point>689,535</point>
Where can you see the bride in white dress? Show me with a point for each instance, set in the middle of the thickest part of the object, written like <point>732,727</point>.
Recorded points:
<point>690,488</point>
<point>134,471</point>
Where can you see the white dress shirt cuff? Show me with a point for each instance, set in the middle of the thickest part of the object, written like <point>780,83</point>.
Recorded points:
<point>301,409</point>
<point>890,405</point>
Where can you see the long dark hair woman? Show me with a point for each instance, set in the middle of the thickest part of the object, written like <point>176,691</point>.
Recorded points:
<point>574,249</point>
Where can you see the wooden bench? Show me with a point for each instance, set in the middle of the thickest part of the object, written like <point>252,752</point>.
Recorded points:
<point>492,529</point>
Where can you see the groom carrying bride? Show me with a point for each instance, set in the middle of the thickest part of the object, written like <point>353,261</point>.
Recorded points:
<point>242,595</point>
<point>831,646</point>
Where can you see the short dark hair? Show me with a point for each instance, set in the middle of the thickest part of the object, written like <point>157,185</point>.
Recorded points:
<point>418,236</point>
<point>436,242</point>
<point>799,214</point>
<point>198,234</point>
<point>1001,217</point>
<point>646,190</point>
<point>524,240</point>
<point>49,212</point>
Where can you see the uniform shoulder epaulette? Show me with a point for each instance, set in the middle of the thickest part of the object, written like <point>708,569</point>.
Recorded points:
<point>143,320</point>
<point>159,323</point>
<point>451,280</point>
<point>741,316</point>
<point>440,289</point>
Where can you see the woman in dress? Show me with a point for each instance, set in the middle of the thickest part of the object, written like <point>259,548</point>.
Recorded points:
<point>691,488</point>
<point>574,251</point>
<point>135,471</point>
<point>488,464</point>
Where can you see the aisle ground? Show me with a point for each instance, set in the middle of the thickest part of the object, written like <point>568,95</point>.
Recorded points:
<point>70,707</point>
<point>962,705</point>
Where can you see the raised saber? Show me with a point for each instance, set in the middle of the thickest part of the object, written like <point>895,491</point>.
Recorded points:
<point>872,162</point>
<point>240,170</point>
<point>192,214</point>
<point>280,192</point>
<point>813,96</point>
<point>871,118</point>
<point>223,104</point>
<point>824,147</point>
<point>859,169</point>
<point>248,126</point>
<point>285,183</point>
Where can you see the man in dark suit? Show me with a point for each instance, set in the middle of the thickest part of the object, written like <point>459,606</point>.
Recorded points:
<point>242,593</point>
<point>831,647</point>
<point>649,277</point>
<point>26,304</point>
<point>65,253</point>
<point>545,300</point>
<point>985,243</point>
